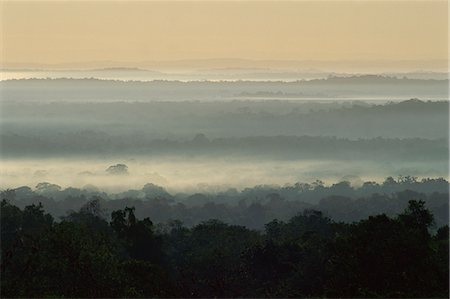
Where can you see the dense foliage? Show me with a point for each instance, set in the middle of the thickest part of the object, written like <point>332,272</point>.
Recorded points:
<point>250,207</point>
<point>310,255</point>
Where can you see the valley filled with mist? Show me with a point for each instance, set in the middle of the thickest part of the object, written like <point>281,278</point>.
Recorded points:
<point>69,131</point>
<point>208,137</point>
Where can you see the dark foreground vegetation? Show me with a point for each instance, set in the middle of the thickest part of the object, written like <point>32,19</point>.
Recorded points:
<point>87,254</point>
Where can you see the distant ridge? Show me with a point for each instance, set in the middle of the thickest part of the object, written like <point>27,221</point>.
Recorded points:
<point>330,79</point>
<point>195,64</point>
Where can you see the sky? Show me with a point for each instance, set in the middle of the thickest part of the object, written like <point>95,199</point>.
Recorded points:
<point>136,32</point>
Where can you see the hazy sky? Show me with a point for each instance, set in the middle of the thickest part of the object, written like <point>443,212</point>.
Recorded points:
<point>124,31</point>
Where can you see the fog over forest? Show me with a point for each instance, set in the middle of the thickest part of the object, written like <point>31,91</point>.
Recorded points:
<point>224,149</point>
<point>210,136</point>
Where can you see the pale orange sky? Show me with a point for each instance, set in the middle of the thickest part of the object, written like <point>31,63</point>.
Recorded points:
<point>123,31</point>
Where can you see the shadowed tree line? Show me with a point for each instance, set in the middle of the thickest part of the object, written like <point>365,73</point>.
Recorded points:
<point>88,254</point>
<point>251,207</point>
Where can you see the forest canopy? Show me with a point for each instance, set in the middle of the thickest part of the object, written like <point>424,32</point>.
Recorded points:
<point>309,255</point>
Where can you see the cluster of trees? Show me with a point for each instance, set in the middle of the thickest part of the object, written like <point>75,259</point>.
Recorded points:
<point>251,207</point>
<point>310,255</point>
